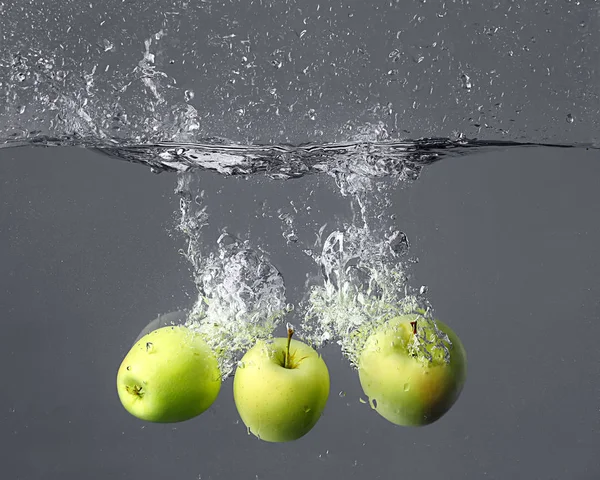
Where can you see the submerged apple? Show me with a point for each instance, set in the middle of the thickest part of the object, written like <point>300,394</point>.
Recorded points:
<point>169,375</point>
<point>403,385</point>
<point>280,389</point>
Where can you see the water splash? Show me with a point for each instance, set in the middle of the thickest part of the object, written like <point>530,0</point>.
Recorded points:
<point>241,294</point>
<point>365,278</point>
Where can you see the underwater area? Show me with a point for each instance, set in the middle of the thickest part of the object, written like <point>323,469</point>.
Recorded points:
<point>247,169</point>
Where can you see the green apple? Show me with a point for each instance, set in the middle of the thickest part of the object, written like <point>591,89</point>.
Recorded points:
<point>169,375</point>
<point>280,389</point>
<point>405,386</point>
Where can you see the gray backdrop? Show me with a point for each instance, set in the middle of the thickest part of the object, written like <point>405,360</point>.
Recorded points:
<point>506,242</point>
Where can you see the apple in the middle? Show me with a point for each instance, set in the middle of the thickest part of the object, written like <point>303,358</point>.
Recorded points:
<point>280,389</point>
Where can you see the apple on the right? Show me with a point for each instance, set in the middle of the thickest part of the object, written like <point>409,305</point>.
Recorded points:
<point>403,385</point>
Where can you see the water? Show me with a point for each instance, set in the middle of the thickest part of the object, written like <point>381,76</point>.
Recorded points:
<point>357,102</point>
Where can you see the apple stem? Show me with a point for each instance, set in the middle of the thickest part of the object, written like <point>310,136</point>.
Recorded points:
<point>286,356</point>
<point>414,327</point>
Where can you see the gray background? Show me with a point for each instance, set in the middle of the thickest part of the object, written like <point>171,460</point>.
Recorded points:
<point>506,241</point>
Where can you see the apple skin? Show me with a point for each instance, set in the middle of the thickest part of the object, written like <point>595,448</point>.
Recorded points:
<point>276,403</point>
<point>169,375</point>
<point>402,389</point>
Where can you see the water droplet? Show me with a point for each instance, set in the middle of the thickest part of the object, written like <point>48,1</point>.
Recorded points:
<point>423,290</point>
<point>582,24</point>
<point>406,387</point>
<point>342,393</point>
<point>189,95</point>
<point>466,81</point>
<point>361,400</point>
<point>398,242</point>
<point>307,409</point>
<point>248,430</point>
<point>570,118</point>
<point>241,364</point>
<point>312,114</point>
<point>373,404</point>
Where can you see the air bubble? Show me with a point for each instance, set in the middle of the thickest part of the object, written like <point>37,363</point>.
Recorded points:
<point>406,387</point>
<point>189,95</point>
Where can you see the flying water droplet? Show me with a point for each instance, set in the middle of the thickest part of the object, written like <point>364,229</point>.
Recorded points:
<point>466,81</point>
<point>570,118</point>
<point>342,393</point>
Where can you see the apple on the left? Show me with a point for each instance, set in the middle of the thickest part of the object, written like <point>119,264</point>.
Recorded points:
<point>169,375</point>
